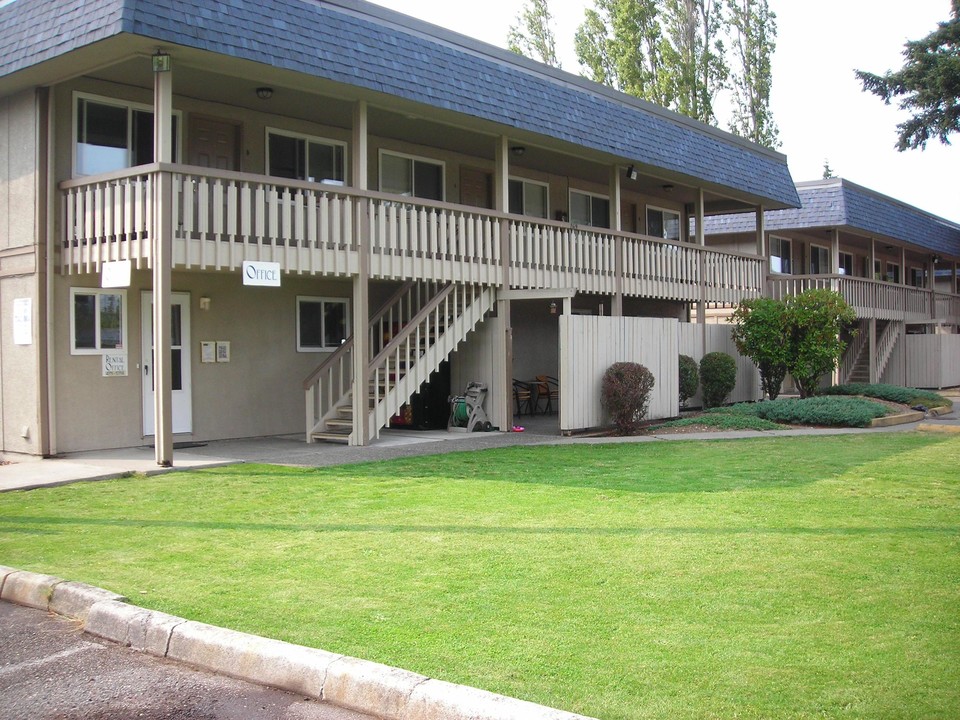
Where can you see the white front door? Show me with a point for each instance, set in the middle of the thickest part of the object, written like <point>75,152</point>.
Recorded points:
<point>180,362</point>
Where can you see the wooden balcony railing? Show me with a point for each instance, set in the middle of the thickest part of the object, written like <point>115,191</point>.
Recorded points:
<point>222,218</point>
<point>875,298</point>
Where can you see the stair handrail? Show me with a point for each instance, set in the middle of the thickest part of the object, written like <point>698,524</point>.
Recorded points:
<point>886,343</point>
<point>410,327</point>
<point>852,356</point>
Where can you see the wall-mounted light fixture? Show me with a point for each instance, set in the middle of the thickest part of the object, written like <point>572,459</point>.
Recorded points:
<point>161,62</point>
<point>668,188</point>
<point>204,303</point>
<point>553,307</point>
<point>631,173</point>
<point>518,150</point>
<point>936,259</point>
<point>264,93</point>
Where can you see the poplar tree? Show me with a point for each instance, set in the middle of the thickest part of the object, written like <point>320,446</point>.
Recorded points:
<point>693,55</point>
<point>532,35</point>
<point>928,85</point>
<point>754,30</point>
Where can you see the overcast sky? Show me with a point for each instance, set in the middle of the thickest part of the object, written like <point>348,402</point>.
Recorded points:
<point>817,102</point>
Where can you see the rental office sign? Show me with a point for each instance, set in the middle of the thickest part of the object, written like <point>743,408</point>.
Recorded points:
<point>261,274</point>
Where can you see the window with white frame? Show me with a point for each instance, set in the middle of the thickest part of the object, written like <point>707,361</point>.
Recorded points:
<point>780,254</point>
<point>529,198</point>
<point>819,260</point>
<point>663,223</point>
<point>302,157</point>
<point>98,320</point>
<point>846,264</point>
<point>411,176</point>
<point>589,209</point>
<point>113,135</point>
<point>893,272</point>
<point>322,323</point>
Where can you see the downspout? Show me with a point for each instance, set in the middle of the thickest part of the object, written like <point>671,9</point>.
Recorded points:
<point>48,422</point>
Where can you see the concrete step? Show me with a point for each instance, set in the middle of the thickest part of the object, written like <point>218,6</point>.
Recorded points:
<point>331,436</point>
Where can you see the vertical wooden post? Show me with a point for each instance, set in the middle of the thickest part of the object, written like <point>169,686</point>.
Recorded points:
<point>162,268</point>
<point>359,177</point>
<point>360,162</point>
<point>503,352</point>
<point>835,251</point>
<point>701,238</point>
<point>873,259</point>
<point>872,349</point>
<point>616,224</point>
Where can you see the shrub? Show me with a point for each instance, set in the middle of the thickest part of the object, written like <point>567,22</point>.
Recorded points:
<point>689,378</point>
<point>814,321</point>
<point>625,393</point>
<point>718,376</point>
<point>760,330</point>
<point>823,411</point>
<point>891,393</point>
<point>722,421</point>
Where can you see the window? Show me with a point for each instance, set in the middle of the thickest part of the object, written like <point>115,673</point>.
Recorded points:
<point>917,277</point>
<point>411,176</point>
<point>300,157</point>
<point>893,272</point>
<point>663,223</point>
<point>112,135</point>
<point>98,320</point>
<point>529,198</point>
<point>846,264</point>
<point>780,249</point>
<point>589,209</point>
<point>819,260</point>
<point>322,323</point>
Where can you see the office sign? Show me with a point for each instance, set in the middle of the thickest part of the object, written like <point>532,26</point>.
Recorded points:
<point>262,274</point>
<point>115,274</point>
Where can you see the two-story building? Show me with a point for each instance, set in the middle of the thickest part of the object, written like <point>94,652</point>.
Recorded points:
<point>232,219</point>
<point>895,264</point>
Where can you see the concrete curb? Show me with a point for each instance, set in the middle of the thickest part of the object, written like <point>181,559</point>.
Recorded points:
<point>899,419</point>
<point>932,427</point>
<point>368,687</point>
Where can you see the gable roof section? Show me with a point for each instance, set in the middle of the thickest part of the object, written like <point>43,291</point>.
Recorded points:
<point>840,203</point>
<point>359,44</point>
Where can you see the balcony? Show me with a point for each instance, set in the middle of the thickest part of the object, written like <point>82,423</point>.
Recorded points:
<point>222,218</point>
<point>875,299</point>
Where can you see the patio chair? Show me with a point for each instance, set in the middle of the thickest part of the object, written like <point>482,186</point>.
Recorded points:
<point>548,390</point>
<point>523,397</point>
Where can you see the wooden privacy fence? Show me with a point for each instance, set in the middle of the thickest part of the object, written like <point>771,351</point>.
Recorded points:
<point>590,344</point>
<point>932,361</point>
<point>719,339</point>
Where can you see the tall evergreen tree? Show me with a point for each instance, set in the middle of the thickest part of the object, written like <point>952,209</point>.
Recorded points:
<point>693,55</point>
<point>928,85</point>
<point>754,29</point>
<point>533,36</point>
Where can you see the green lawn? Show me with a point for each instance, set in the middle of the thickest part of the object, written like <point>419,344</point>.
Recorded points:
<point>772,578</point>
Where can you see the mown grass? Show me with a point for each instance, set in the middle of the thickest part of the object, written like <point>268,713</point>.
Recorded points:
<point>770,578</point>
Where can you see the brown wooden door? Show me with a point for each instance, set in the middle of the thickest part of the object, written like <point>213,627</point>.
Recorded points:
<point>214,143</point>
<point>628,216</point>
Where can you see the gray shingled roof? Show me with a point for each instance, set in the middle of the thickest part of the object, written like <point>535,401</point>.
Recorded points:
<point>351,42</point>
<point>840,203</point>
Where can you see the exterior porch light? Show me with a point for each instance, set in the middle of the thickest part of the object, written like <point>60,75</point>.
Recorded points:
<point>161,62</point>
<point>264,93</point>
<point>668,188</point>
<point>205,303</point>
<point>631,173</point>
<point>518,150</point>
<point>553,307</point>
<point>935,259</point>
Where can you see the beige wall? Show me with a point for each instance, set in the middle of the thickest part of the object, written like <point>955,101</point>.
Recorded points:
<point>259,392</point>
<point>22,228</point>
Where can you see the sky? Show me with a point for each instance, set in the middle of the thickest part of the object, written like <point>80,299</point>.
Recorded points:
<point>818,104</point>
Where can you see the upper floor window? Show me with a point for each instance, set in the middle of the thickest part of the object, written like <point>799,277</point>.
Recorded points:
<point>819,260</point>
<point>300,157</point>
<point>589,209</point>
<point>529,198</point>
<point>917,277</point>
<point>411,176</point>
<point>113,135</point>
<point>663,223</point>
<point>322,323</point>
<point>846,264</point>
<point>780,255</point>
<point>98,320</point>
<point>893,272</point>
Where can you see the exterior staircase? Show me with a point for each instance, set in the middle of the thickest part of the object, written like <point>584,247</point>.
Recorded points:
<point>410,335</point>
<point>856,365</point>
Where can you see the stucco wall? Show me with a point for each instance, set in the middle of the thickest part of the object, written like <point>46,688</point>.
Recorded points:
<point>21,366</point>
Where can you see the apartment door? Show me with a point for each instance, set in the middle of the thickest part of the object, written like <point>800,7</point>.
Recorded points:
<point>214,143</point>
<point>179,357</point>
<point>476,187</point>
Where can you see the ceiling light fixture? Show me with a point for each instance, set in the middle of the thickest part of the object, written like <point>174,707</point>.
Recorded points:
<point>264,93</point>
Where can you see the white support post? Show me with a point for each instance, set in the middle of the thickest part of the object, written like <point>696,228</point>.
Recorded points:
<point>835,251</point>
<point>361,319</point>
<point>701,238</point>
<point>616,224</point>
<point>501,175</point>
<point>503,350</point>
<point>873,259</point>
<point>163,263</point>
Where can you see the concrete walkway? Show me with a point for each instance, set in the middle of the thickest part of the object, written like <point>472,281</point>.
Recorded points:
<point>27,473</point>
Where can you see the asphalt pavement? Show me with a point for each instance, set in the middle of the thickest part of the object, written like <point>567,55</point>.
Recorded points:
<point>51,670</point>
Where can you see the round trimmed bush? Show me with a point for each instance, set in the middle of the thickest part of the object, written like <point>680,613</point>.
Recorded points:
<point>689,378</point>
<point>718,376</point>
<point>625,394</point>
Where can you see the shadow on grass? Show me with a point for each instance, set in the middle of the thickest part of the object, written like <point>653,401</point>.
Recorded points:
<point>33,524</point>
